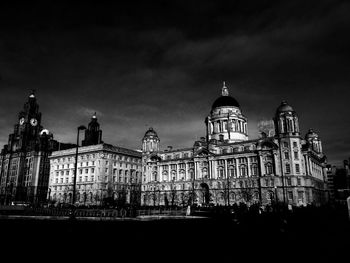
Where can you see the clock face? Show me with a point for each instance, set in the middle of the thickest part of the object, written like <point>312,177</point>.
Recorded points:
<point>21,121</point>
<point>33,122</point>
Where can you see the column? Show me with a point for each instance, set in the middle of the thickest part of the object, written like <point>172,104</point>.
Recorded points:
<point>237,168</point>
<point>213,170</point>
<point>248,170</point>
<point>210,170</point>
<point>225,165</point>
<point>195,170</point>
<point>275,164</point>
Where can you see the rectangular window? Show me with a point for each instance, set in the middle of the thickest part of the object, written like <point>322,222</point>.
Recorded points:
<point>92,170</point>
<point>285,144</point>
<point>67,172</point>
<point>296,155</point>
<point>80,171</point>
<point>287,168</point>
<point>297,168</point>
<point>286,155</point>
<point>80,178</point>
<point>92,178</point>
<point>86,171</point>
<point>290,195</point>
<point>301,196</point>
<point>289,181</point>
<point>298,181</point>
<point>295,144</point>
<point>86,178</point>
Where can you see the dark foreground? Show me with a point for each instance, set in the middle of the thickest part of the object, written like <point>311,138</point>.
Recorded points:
<point>303,236</point>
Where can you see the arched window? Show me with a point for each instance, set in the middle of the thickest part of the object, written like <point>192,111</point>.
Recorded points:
<point>155,176</point>
<point>232,171</point>
<point>205,173</point>
<point>243,170</point>
<point>268,168</point>
<point>191,174</point>
<point>165,175</point>
<point>221,172</point>
<point>254,169</point>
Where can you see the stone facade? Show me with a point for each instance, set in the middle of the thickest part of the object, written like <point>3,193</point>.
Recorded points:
<point>227,167</point>
<point>104,171</point>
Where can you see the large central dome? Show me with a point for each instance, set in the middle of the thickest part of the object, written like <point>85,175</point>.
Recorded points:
<point>225,100</point>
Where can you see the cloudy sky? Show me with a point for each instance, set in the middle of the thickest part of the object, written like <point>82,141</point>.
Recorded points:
<point>162,63</point>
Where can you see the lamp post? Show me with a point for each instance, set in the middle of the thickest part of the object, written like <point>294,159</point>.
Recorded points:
<point>80,128</point>
<point>276,196</point>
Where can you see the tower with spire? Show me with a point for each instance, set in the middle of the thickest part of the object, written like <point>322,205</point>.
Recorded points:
<point>93,134</point>
<point>24,164</point>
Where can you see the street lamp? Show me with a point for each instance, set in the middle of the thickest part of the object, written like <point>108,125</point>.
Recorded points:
<point>80,128</point>
<point>276,196</point>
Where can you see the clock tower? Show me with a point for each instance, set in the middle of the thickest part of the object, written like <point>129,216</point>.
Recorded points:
<point>24,163</point>
<point>27,129</point>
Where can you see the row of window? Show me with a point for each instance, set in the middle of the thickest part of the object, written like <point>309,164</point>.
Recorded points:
<point>296,155</point>
<point>286,144</point>
<point>288,169</point>
<point>93,156</point>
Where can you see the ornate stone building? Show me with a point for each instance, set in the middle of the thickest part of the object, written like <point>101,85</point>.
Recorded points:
<point>227,167</point>
<point>24,163</point>
<point>105,173</point>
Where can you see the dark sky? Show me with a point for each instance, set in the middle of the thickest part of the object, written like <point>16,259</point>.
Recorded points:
<point>162,63</point>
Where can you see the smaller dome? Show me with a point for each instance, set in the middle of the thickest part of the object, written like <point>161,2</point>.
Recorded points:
<point>284,107</point>
<point>150,132</point>
<point>44,131</point>
<point>311,135</point>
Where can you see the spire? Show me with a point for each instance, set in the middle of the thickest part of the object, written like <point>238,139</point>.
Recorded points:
<point>224,91</point>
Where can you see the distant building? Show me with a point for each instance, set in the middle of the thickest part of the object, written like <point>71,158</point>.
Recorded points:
<point>24,163</point>
<point>227,167</point>
<point>339,182</point>
<point>105,174</point>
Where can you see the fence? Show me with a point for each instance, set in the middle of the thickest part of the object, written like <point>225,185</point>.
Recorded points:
<point>162,211</point>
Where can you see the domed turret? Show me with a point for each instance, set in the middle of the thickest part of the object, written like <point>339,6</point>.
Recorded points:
<point>225,121</point>
<point>286,120</point>
<point>150,142</point>
<point>311,135</point>
<point>93,134</point>
<point>314,141</point>
<point>284,107</point>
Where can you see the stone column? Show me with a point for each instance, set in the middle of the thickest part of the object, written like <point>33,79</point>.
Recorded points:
<point>248,170</point>
<point>226,172</point>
